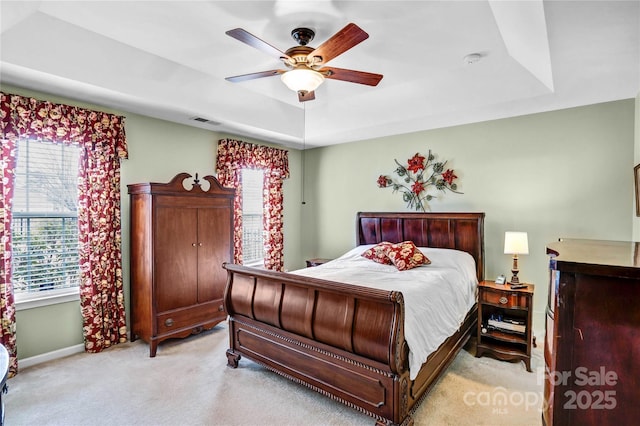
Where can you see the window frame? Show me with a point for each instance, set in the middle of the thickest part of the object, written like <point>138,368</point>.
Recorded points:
<point>28,300</point>
<point>256,263</point>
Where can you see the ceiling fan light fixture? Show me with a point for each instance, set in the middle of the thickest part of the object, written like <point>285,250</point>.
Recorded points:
<point>302,79</point>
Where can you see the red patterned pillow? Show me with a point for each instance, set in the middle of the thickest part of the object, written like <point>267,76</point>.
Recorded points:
<point>405,255</point>
<point>378,253</point>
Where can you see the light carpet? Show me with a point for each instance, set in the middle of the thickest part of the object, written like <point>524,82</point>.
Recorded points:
<point>188,383</point>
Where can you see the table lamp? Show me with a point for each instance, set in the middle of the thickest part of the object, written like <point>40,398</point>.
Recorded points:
<point>515,243</point>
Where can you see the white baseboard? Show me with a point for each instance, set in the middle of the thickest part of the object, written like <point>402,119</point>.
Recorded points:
<point>50,356</point>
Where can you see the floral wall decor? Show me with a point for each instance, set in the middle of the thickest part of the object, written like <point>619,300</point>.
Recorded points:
<point>418,177</point>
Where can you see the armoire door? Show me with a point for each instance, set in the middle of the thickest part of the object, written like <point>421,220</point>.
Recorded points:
<point>214,242</point>
<point>176,257</point>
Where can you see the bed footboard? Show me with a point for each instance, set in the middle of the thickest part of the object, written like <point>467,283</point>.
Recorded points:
<point>344,341</point>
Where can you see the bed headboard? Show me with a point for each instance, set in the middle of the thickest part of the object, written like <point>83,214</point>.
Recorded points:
<point>460,231</point>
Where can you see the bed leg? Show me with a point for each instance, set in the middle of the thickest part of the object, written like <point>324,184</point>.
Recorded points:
<point>232,358</point>
<point>408,421</point>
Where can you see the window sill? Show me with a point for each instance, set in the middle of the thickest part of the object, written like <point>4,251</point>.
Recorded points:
<point>255,264</point>
<point>53,297</point>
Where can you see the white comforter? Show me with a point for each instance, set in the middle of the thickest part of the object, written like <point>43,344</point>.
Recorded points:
<point>437,296</point>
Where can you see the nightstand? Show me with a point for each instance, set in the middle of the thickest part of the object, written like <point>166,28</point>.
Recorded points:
<point>316,262</point>
<point>505,321</point>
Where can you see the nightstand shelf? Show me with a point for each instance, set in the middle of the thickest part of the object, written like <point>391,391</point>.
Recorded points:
<point>506,337</point>
<point>505,321</point>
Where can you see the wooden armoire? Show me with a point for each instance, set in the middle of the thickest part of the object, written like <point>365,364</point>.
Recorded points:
<point>179,240</point>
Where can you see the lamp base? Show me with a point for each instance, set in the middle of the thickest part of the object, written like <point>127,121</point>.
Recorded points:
<point>514,271</point>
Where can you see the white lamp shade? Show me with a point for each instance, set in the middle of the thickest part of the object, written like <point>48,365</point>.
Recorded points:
<point>302,79</point>
<point>516,243</point>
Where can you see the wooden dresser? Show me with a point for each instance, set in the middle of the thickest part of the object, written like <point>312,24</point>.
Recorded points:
<point>179,240</point>
<point>592,343</point>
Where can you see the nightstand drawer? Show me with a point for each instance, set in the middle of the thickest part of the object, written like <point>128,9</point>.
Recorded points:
<point>505,298</point>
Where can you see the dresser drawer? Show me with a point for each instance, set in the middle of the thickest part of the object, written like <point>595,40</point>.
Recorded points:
<point>192,316</point>
<point>505,299</point>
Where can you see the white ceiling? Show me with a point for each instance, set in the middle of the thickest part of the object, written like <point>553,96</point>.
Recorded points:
<point>169,59</point>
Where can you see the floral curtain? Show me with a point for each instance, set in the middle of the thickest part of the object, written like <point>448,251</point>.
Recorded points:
<point>101,137</point>
<point>233,156</point>
<point>7,309</point>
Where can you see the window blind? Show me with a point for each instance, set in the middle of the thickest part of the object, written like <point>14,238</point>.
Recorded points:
<point>252,217</point>
<point>44,225</point>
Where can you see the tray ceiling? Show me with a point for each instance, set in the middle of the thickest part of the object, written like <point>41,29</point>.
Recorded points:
<point>169,59</point>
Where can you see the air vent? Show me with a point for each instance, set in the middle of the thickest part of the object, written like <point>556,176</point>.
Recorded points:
<point>205,120</point>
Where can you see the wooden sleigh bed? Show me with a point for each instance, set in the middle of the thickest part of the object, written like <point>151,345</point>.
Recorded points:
<point>346,341</point>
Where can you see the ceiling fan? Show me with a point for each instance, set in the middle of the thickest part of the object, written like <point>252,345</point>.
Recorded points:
<point>306,65</point>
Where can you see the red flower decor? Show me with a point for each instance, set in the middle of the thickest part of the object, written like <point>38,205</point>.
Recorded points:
<point>417,188</point>
<point>383,181</point>
<point>418,180</point>
<point>416,163</point>
<point>448,176</point>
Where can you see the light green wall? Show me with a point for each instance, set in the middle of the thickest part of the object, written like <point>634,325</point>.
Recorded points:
<point>49,328</point>
<point>158,150</point>
<point>636,161</point>
<point>558,174</point>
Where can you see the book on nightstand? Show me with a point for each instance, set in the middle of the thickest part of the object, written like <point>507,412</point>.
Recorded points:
<point>506,324</point>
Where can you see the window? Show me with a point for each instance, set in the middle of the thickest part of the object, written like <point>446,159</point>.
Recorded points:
<point>252,224</point>
<point>44,226</point>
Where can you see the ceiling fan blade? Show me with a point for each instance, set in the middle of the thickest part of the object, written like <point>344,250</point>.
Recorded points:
<point>306,96</point>
<point>339,43</point>
<point>253,41</point>
<point>252,76</point>
<point>351,76</point>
